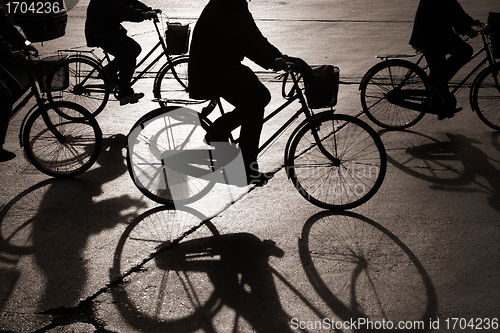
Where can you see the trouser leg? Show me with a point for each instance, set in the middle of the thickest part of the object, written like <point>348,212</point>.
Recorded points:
<point>125,52</point>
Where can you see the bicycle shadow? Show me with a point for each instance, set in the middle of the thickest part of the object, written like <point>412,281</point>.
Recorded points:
<point>196,279</point>
<point>448,165</point>
<point>53,221</point>
<point>364,273</point>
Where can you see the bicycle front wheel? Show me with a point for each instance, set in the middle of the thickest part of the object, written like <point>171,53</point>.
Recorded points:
<point>80,80</point>
<point>172,81</point>
<point>486,96</point>
<point>62,139</point>
<point>394,93</point>
<point>336,161</point>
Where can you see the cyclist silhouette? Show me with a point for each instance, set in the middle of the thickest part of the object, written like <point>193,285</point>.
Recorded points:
<point>103,29</point>
<point>436,30</point>
<point>224,34</point>
<point>238,268</point>
<point>11,42</point>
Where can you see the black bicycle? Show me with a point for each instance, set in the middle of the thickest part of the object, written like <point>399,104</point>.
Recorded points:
<point>396,93</point>
<point>335,161</point>
<point>60,138</point>
<point>87,82</point>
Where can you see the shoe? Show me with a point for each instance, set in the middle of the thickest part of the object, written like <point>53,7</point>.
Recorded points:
<point>6,155</point>
<point>132,98</point>
<point>258,178</point>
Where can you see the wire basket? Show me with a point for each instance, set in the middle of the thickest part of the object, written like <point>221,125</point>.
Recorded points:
<point>60,79</point>
<point>322,86</point>
<point>177,37</point>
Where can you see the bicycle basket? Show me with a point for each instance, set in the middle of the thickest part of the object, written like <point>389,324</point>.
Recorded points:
<point>60,80</point>
<point>177,37</point>
<point>494,23</point>
<point>322,86</point>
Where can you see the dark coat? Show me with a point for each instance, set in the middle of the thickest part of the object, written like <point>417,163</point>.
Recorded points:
<point>104,18</point>
<point>224,34</point>
<point>436,21</point>
<point>10,38</point>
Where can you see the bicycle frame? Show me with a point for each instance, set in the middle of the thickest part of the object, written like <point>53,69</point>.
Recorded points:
<point>406,98</point>
<point>27,93</point>
<point>295,94</point>
<point>100,61</point>
<point>487,59</point>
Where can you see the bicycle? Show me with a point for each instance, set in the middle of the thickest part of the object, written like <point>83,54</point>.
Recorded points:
<point>61,138</point>
<point>91,86</point>
<point>396,92</point>
<point>335,161</point>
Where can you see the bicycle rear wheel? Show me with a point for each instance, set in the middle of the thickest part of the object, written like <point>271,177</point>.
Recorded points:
<point>486,96</point>
<point>353,172</point>
<point>165,256</point>
<point>62,139</point>
<point>155,142</point>
<point>80,80</point>
<point>382,91</point>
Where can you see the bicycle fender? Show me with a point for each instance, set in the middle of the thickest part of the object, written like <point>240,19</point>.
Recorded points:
<point>478,77</point>
<point>377,66</point>
<point>167,64</point>
<point>294,134</point>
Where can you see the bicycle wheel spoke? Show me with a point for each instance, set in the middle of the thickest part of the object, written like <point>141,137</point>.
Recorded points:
<point>57,144</point>
<point>352,177</point>
<point>79,80</point>
<point>156,141</point>
<point>486,97</point>
<point>387,79</point>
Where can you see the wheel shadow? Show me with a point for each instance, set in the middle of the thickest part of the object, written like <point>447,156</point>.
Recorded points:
<point>366,274</point>
<point>52,223</point>
<point>176,273</point>
<point>449,165</point>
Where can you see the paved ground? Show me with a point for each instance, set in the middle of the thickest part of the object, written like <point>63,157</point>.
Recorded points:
<point>425,246</point>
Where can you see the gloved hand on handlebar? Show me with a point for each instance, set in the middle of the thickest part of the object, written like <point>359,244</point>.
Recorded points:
<point>279,64</point>
<point>151,15</point>
<point>285,62</point>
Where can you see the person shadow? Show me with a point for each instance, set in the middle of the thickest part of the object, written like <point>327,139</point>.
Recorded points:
<point>67,217</point>
<point>196,279</point>
<point>241,276</point>
<point>450,165</point>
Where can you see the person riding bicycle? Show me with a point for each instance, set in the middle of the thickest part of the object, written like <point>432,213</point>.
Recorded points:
<point>12,42</point>
<point>436,30</point>
<point>103,29</point>
<point>224,34</point>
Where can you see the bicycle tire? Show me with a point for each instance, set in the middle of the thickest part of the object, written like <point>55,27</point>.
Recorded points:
<point>72,154</point>
<point>172,80</point>
<point>152,247</point>
<point>158,135</point>
<point>79,69</point>
<point>485,95</point>
<point>386,77</point>
<point>361,168</point>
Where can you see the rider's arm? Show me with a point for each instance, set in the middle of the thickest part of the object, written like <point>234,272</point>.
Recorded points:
<point>133,11</point>
<point>248,39</point>
<point>461,21</point>
<point>10,38</point>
